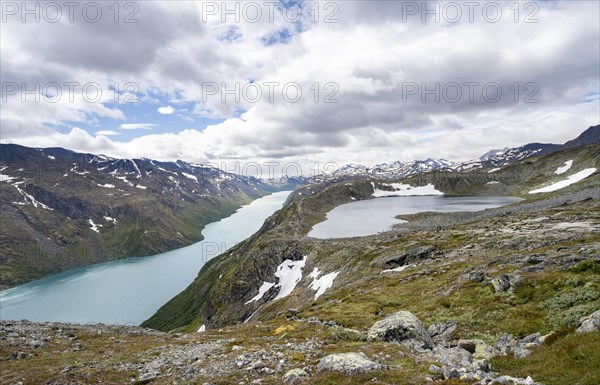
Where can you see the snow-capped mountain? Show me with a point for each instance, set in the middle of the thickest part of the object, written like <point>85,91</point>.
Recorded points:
<point>396,169</point>
<point>84,208</point>
<point>493,153</point>
<point>493,158</point>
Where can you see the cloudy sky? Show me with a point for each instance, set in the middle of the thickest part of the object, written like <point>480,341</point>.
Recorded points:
<point>307,82</point>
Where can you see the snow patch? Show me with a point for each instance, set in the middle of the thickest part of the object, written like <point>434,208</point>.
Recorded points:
<point>320,285</point>
<point>167,171</point>
<point>73,169</point>
<point>493,182</point>
<point>141,187</point>
<point>405,190</point>
<point>493,170</point>
<point>564,168</point>
<point>94,226</point>
<point>261,291</point>
<point>109,219</point>
<point>31,199</point>
<point>51,157</point>
<point>190,176</point>
<point>6,178</point>
<point>289,274</point>
<point>136,168</point>
<point>396,270</point>
<point>107,185</point>
<point>202,329</point>
<point>124,179</point>
<point>572,179</point>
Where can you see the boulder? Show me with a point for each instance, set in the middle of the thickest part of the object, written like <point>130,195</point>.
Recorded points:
<point>504,283</point>
<point>348,363</point>
<point>293,312</point>
<point>590,323</point>
<point>508,380</point>
<point>442,332</point>
<point>295,375</point>
<point>506,343</point>
<point>399,327</point>
<point>412,255</point>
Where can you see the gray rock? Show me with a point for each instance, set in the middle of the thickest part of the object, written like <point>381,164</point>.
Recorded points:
<point>505,343</point>
<point>482,365</point>
<point>476,276</point>
<point>399,327</point>
<point>436,370</point>
<point>450,372</point>
<point>531,340</point>
<point>148,376</point>
<point>521,352</point>
<point>590,323</point>
<point>452,357</point>
<point>348,363</point>
<point>17,356</point>
<point>294,376</point>
<point>441,333</point>
<point>412,255</point>
<point>508,380</point>
<point>504,283</point>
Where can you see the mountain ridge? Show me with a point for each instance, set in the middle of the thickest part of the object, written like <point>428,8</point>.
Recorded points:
<point>492,158</point>
<point>62,209</point>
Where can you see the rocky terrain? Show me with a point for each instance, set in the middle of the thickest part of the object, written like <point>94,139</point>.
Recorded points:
<point>492,300</point>
<point>60,209</point>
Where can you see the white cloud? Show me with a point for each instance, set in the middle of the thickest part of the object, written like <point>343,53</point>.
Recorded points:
<point>370,54</point>
<point>107,133</point>
<point>168,110</point>
<point>137,126</point>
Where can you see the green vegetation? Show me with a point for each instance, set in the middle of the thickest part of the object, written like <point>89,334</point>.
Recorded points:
<point>571,358</point>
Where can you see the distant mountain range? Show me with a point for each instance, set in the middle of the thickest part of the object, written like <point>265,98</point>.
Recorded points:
<point>493,158</point>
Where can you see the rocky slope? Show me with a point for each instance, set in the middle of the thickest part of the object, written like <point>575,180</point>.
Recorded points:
<point>60,209</point>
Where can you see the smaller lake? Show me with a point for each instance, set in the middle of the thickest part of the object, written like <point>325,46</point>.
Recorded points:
<point>372,216</point>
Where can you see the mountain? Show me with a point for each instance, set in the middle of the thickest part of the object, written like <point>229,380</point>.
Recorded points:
<point>493,158</point>
<point>492,153</point>
<point>589,136</point>
<point>61,209</point>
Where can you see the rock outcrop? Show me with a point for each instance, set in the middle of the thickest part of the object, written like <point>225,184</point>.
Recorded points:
<point>590,323</point>
<point>348,363</point>
<point>401,326</point>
